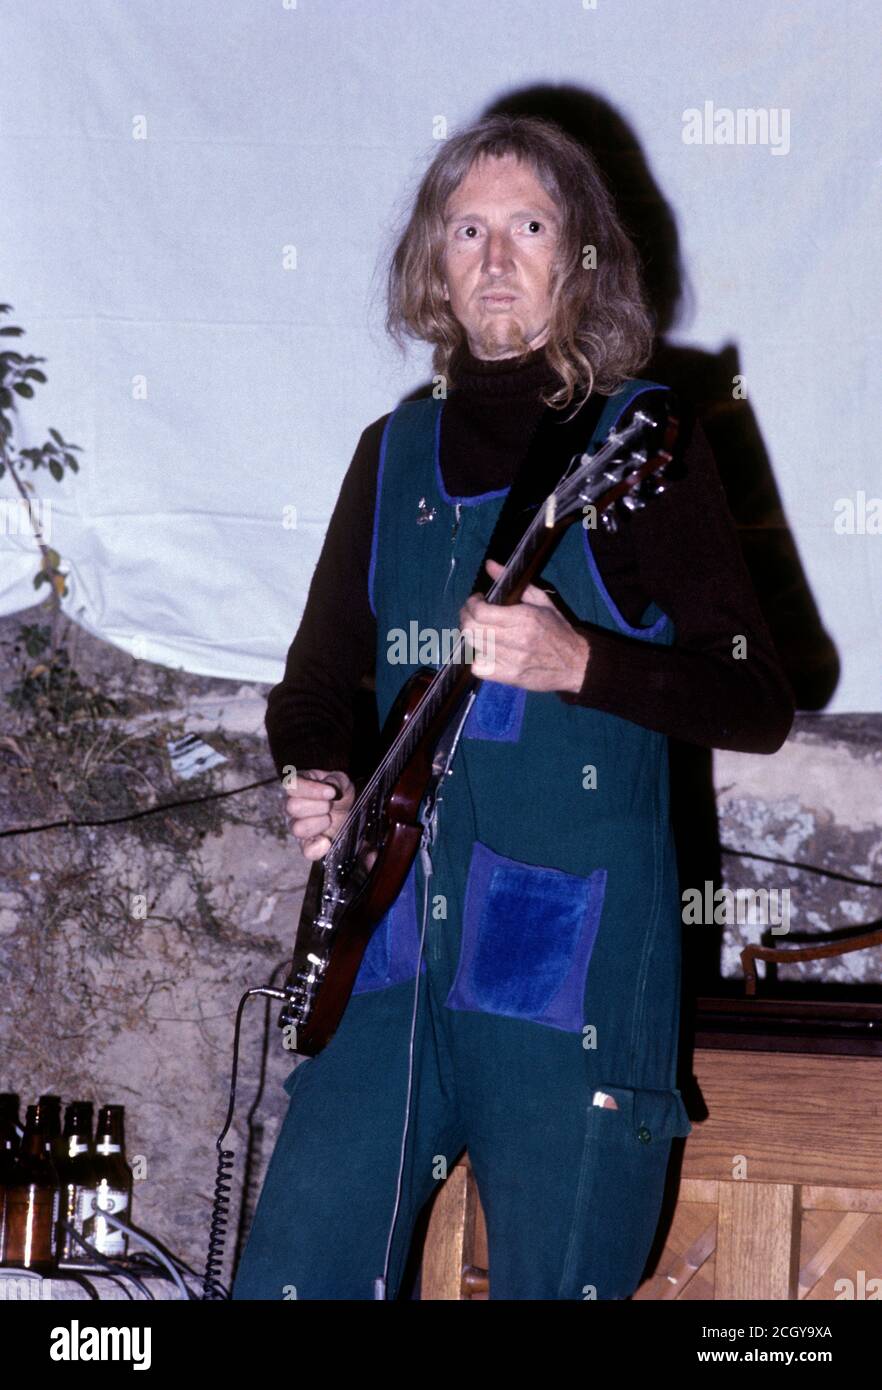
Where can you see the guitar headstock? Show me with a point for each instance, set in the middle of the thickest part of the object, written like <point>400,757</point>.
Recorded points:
<point>628,469</point>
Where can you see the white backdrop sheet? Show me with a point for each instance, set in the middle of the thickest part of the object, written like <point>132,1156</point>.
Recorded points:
<point>212,384</point>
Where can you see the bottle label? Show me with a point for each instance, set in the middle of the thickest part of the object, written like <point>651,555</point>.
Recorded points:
<point>85,1205</point>
<point>80,1205</point>
<point>108,1241</point>
<point>69,1249</point>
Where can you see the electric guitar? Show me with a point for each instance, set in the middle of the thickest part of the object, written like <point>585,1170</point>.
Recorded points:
<point>351,888</point>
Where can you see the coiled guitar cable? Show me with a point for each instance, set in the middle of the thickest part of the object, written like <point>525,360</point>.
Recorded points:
<point>212,1287</point>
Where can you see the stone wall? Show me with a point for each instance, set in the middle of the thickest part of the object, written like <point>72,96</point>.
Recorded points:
<point>809,821</point>
<point>125,946</point>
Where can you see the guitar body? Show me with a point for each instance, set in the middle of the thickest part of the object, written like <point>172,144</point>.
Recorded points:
<point>352,888</point>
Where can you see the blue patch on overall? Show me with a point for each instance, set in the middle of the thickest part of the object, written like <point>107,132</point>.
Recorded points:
<point>393,950</point>
<point>527,937</point>
<point>498,713</point>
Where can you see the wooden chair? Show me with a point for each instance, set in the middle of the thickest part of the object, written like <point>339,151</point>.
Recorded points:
<point>454,1264</point>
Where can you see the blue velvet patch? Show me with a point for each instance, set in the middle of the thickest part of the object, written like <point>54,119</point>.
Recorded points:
<point>527,937</point>
<point>498,713</point>
<point>393,950</point>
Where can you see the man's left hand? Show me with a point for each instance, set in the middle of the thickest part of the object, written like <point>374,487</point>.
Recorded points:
<point>529,644</point>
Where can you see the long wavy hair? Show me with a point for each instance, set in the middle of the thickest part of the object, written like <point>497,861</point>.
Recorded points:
<point>600,329</point>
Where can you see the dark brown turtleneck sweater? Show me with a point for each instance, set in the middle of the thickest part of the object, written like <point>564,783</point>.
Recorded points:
<point>682,551</point>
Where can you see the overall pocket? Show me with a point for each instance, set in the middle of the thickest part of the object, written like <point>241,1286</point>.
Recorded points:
<point>621,1189</point>
<point>643,1114</point>
<point>527,936</point>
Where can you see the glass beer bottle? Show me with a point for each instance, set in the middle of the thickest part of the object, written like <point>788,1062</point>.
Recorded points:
<point>32,1198</point>
<point>49,1108</point>
<point>113,1187</point>
<point>8,1150</point>
<point>78,1181</point>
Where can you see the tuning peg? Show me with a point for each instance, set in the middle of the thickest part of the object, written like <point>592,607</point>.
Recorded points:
<point>633,502</point>
<point>609,521</point>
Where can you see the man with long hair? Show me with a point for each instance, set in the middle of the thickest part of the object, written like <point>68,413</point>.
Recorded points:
<point>529,1010</point>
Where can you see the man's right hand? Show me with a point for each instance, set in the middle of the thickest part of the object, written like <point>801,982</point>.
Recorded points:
<point>313,814</point>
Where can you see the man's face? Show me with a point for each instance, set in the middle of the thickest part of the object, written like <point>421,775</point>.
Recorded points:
<point>501,229</point>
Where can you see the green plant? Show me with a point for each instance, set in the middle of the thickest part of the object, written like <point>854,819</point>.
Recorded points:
<point>17,375</point>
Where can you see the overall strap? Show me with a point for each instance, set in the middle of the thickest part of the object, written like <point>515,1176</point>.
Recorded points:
<point>554,443</point>
<point>617,404</point>
<point>552,446</point>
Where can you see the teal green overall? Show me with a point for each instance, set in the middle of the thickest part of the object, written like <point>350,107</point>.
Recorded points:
<point>549,913</point>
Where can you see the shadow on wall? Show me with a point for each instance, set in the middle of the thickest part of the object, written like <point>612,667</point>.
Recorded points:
<point>706,381</point>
